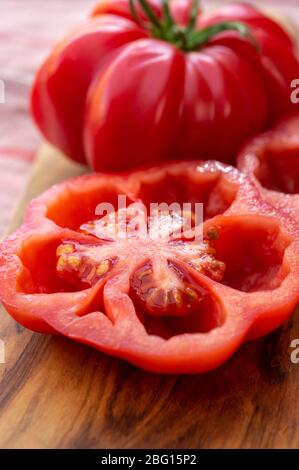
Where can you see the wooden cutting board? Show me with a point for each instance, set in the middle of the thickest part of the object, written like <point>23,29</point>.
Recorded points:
<point>55,393</point>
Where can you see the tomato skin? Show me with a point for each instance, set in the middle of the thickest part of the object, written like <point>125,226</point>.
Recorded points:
<point>108,88</point>
<point>58,102</point>
<point>278,55</point>
<point>256,294</point>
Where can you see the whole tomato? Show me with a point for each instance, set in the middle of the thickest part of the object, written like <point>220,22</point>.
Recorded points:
<point>144,81</point>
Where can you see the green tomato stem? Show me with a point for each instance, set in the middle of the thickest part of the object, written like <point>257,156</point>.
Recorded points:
<point>186,38</point>
<point>193,16</point>
<point>203,36</point>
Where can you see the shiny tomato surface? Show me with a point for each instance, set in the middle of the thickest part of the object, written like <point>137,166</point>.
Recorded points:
<point>114,94</point>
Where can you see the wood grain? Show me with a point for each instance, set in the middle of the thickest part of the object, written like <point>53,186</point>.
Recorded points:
<point>58,394</point>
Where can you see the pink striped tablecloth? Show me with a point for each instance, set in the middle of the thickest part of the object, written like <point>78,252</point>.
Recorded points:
<point>28,29</point>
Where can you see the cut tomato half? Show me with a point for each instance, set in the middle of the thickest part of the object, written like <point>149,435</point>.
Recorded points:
<point>272,160</point>
<point>165,290</point>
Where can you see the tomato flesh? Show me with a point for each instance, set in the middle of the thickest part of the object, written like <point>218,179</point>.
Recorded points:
<point>160,286</point>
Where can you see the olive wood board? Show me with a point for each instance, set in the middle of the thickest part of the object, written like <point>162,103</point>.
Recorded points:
<point>55,393</point>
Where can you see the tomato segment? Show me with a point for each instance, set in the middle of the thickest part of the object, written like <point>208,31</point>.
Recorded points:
<point>279,170</point>
<point>81,265</point>
<point>207,316</point>
<point>252,249</point>
<point>165,289</point>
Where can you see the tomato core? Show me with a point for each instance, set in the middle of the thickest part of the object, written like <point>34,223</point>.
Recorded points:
<point>160,285</point>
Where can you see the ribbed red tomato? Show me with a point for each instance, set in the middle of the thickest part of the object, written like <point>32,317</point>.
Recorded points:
<point>164,83</point>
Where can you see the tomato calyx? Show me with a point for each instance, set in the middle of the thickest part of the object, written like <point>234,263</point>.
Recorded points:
<point>186,38</point>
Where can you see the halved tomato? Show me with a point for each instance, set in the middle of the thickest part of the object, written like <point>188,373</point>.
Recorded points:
<point>141,283</point>
<point>271,159</point>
